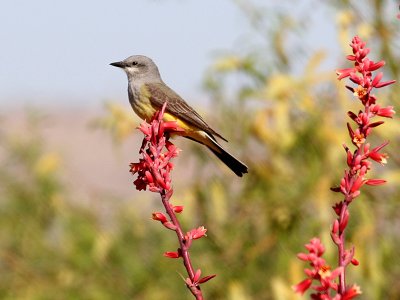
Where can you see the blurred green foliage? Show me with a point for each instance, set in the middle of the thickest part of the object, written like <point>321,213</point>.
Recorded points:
<point>287,126</point>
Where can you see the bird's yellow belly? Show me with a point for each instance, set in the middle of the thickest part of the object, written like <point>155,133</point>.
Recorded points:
<point>143,109</point>
<point>189,130</point>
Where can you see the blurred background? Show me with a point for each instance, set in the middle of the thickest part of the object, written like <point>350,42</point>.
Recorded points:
<point>262,73</point>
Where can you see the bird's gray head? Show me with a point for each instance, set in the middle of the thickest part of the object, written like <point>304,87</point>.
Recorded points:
<point>139,67</point>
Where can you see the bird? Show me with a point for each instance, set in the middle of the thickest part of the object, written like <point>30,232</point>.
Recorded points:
<point>147,93</point>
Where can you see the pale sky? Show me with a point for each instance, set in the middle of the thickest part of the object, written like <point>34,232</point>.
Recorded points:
<point>59,51</point>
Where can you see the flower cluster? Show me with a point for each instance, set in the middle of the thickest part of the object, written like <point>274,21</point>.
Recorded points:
<point>323,274</point>
<point>359,162</point>
<point>154,168</point>
<point>153,172</point>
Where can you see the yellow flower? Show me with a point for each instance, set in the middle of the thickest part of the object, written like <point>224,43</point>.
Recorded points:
<point>365,30</point>
<point>344,18</point>
<point>228,63</point>
<point>47,164</point>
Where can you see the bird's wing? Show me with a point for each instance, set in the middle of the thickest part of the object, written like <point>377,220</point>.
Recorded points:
<point>159,93</point>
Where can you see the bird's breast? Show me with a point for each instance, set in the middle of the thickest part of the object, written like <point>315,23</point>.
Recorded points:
<point>139,97</point>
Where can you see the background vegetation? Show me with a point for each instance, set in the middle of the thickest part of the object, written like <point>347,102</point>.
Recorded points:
<point>285,115</point>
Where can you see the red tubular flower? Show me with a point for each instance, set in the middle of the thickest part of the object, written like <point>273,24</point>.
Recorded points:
<point>382,84</point>
<point>375,181</point>
<point>335,226</point>
<point>196,280</point>
<point>378,157</point>
<point>343,222</point>
<point>351,292</point>
<point>320,272</point>
<point>375,66</point>
<point>145,128</point>
<point>177,208</point>
<point>355,262</point>
<point>196,233</point>
<point>343,73</point>
<point>338,207</point>
<point>302,286</point>
<point>157,216</point>
<point>206,278</point>
<point>377,79</point>
<point>172,254</point>
<point>170,225</point>
<point>315,246</point>
<point>386,112</point>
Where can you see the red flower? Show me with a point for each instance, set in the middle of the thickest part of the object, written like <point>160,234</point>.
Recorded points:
<point>196,281</point>
<point>315,246</point>
<point>320,272</point>
<point>159,217</point>
<point>302,286</point>
<point>343,73</point>
<point>153,169</point>
<point>379,157</point>
<point>177,208</point>
<point>386,112</point>
<point>172,254</point>
<point>196,233</point>
<point>375,181</point>
<point>351,292</point>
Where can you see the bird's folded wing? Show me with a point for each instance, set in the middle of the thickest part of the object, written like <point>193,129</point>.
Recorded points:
<point>159,93</point>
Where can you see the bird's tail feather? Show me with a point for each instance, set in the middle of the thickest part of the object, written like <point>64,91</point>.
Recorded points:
<point>228,159</point>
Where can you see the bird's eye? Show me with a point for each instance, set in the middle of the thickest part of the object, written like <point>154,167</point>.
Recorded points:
<point>135,63</point>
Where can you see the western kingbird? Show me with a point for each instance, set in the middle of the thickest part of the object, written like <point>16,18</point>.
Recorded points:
<point>147,93</point>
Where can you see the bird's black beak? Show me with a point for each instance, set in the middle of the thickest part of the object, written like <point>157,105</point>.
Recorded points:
<point>119,64</point>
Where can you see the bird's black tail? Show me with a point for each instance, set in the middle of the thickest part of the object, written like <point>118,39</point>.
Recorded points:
<point>228,159</point>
